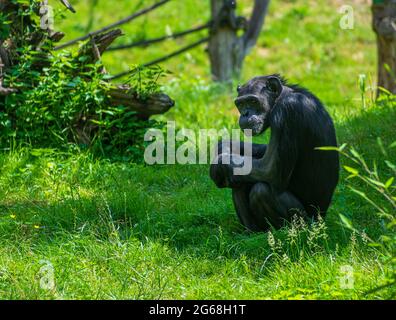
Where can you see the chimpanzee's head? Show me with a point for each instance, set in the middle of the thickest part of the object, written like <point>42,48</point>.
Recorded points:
<point>255,101</point>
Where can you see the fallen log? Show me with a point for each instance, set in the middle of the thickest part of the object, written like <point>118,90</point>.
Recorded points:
<point>157,103</point>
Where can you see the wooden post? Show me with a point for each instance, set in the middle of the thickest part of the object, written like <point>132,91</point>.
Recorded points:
<point>384,25</point>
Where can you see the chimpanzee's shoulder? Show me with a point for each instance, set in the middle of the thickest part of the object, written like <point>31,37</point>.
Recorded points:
<point>298,95</point>
<point>297,89</point>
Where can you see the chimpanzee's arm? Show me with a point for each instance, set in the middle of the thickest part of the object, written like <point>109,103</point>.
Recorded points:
<point>279,160</point>
<point>280,157</point>
<point>257,150</point>
<point>221,171</point>
<point>276,166</point>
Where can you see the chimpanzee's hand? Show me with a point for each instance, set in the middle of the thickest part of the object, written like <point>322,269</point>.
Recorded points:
<point>221,172</point>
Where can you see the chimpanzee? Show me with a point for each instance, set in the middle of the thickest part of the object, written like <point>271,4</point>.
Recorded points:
<point>289,176</point>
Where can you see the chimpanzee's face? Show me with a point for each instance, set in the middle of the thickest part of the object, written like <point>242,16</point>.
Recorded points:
<point>255,101</point>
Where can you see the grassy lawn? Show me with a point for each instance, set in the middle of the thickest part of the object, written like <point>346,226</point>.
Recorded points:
<point>114,230</point>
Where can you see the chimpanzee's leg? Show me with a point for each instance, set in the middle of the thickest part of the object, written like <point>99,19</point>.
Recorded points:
<point>273,210</point>
<point>240,197</point>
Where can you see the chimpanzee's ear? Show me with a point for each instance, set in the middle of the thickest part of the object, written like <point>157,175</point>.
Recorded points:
<point>274,85</point>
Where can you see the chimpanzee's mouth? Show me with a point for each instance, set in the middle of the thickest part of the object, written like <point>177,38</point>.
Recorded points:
<point>253,123</point>
<point>257,129</point>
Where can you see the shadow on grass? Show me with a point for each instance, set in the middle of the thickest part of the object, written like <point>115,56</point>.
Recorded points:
<point>180,207</point>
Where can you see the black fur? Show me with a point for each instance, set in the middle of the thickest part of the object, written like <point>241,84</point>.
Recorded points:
<point>289,174</point>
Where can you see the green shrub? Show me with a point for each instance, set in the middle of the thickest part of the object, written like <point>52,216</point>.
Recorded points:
<point>380,192</point>
<point>62,105</point>
<point>63,100</point>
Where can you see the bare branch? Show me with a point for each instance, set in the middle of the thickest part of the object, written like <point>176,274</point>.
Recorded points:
<point>99,43</point>
<point>6,91</point>
<point>113,25</point>
<point>68,5</point>
<point>164,58</point>
<point>256,23</point>
<point>144,43</point>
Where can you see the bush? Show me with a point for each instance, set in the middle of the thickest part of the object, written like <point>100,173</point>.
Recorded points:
<point>382,198</point>
<point>63,99</point>
<point>62,105</point>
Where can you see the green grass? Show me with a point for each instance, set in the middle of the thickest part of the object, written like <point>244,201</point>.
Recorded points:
<point>119,230</point>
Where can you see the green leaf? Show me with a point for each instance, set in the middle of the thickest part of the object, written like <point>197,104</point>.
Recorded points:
<point>377,183</point>
<point>346,221</point>
<point>360,193</point>
<point>385,238</point>
<point>343,146</point>
<point>355,153</point>
<point>387,92</point>
<point>351,170</point>
<point>362,82</point>
<point>393,145</point>
<point>391,165</point>
<point>374,245</point>
<point>328,148</point>
<point>375,170</point>
<point>391,224</point>
<point>389,182</point>
<point>381,146</point>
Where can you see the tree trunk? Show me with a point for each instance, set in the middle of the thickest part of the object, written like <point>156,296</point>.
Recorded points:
<point>227,50</point>
<point>384,25</point>
<point>221,46</point>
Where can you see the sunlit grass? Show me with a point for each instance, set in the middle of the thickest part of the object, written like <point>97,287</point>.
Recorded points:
<point>119,230</point>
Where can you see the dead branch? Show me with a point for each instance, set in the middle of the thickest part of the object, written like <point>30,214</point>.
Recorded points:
<point>166,57</point>
<point>113,25</point>
<point>7,91</point>
<point>68,5</point>
<point>145,43</point>
<point>255,24</point>
<point>101,41</point>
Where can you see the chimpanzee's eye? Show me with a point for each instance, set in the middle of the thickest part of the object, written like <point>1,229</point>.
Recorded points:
<point>271,87</point>
<point>239,88</point>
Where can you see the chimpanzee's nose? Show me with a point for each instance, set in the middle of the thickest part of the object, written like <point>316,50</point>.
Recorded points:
<point>244,113</point>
